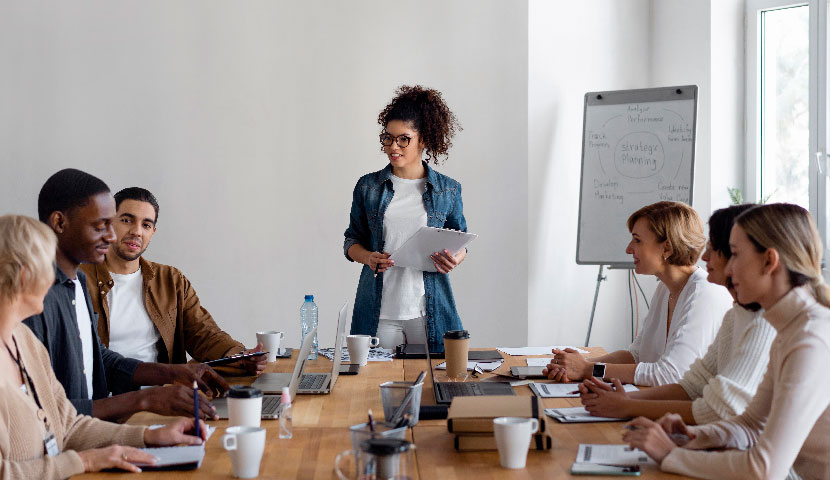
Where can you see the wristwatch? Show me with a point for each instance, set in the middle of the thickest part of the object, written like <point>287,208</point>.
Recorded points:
<point>599,371</point>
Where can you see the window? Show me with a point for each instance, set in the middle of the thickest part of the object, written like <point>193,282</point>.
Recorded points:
<point>786,80</point>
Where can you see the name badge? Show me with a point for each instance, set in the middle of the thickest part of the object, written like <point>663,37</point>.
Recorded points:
<point>51,444</point>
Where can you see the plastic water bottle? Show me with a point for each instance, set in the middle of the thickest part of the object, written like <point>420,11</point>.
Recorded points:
<point>308,320</point>
<point>286,425</point>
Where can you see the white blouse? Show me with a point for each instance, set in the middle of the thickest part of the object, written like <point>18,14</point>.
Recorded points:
<point>663,359</point>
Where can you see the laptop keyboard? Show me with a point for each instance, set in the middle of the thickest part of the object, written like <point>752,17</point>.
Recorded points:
<point>270,404</point>
<point>459,389</point>
<point>312,381</point>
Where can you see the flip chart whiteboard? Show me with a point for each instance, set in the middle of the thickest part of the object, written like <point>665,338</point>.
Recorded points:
<point>637,149</point>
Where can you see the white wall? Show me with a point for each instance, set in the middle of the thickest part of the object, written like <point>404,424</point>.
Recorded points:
<point>606,45</point>
<point>574,47</point>
<point>252,121</point>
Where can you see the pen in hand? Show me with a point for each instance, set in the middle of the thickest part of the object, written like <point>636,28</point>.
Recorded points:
<point>196,408</point>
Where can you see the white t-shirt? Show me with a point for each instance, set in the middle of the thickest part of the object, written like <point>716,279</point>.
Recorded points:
<point>132,333</point>
<point>403,288</point>
<point>85,331</point>
<point>695,322</point>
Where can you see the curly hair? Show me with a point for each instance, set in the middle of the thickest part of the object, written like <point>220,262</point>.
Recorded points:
<point>429,115</point>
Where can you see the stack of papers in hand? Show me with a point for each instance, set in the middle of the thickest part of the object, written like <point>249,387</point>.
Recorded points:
<point>564,390</point>
<point>577,415</point>
<point>537,350</point>
<point>486,366</point>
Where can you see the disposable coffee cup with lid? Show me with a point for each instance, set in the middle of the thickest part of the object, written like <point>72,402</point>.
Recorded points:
<point>456,346</point>
<point>244,406</point>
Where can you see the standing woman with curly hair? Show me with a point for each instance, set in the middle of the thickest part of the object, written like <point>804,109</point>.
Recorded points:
<point>388,207</point>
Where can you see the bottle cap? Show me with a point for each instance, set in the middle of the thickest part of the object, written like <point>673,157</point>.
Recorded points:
<point>286,396</point>
<point>309,298</point>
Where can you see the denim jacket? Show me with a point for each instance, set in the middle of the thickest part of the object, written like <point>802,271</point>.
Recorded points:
<point>372,194</point>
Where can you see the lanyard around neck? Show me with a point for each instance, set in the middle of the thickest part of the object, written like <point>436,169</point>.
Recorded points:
<point>26,378</point>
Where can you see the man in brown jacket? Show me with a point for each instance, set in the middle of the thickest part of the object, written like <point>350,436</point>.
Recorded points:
<point>148,310</point>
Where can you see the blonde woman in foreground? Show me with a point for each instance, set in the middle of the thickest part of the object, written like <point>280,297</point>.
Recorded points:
<point>776,262</point>
<point>41,434</point>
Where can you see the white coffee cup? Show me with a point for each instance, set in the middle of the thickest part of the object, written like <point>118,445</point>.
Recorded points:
<point>270,341</point>
<point>244,406</point>
<point>359,347</point>
<point>513,439</point>
<point>245,446</point>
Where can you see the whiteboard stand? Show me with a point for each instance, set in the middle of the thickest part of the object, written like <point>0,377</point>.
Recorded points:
<point>600,278</point>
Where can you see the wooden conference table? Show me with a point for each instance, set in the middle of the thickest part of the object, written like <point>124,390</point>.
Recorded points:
<point>321,425</point>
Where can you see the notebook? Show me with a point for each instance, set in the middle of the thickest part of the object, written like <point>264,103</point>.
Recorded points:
<point>564,390</point>
<point>577,415</point>
<point>175,458</point>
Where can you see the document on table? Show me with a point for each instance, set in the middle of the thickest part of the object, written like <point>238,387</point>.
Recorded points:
<point>612,455</point>
<point>536,350</point>
<point>376,354</point>
<point>564,390</point>
<point>577,415</point>
<point>486,366</point>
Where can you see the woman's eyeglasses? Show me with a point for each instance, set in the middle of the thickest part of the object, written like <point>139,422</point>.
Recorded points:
<point>387,139</point>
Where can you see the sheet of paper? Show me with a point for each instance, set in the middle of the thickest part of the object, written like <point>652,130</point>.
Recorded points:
<point>577,415</point>
<point>539,362</point>
<point>375,354</point>
<point>612,455</point>
<point>486,366</point>
<point>537,350</point>
<point>564,390</point>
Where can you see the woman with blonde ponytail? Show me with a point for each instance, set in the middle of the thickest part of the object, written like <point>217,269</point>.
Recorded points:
<point>776,262</point>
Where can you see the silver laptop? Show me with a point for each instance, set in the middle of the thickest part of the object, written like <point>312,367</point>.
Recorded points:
<point>316,383</point>
<point>271,385</point>
<point>445,391</point>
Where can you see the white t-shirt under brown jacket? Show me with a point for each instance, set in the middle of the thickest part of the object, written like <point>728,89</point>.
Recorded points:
<point>21,431</point>
<point>787,423</point>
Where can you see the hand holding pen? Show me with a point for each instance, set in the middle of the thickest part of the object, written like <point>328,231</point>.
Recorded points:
<point>654,438</point>
<point>379,262</point>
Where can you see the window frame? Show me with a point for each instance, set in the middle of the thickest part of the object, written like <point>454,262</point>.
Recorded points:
<point>819,168</point>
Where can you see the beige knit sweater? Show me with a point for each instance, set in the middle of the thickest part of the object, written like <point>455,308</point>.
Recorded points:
<point>21,431</point>
<point>788,421</point>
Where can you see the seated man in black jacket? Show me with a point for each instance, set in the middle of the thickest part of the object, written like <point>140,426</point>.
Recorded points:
<point>79,208</point>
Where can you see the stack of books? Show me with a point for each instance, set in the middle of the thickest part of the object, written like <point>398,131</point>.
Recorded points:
<point>471,420</point>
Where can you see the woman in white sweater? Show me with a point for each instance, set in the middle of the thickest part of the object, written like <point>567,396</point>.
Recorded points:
<point>776,262</point>
<point>685,313</point>
<point>41,434</point>
<point>721,383</point>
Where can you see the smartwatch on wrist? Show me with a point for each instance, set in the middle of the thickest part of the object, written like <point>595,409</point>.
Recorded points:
<point>599,371</point>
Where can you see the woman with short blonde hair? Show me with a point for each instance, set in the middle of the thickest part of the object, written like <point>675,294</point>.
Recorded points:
<point>776,262</point>
<point>27,250</point>
<point>677,224</point>
<point>41,434</point>
<point>686,310</point>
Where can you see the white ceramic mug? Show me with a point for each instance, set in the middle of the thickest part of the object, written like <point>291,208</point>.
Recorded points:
<point>245,446</point>
<point>513,439</point>
<point>270,341</point>
<point>359,347</point>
